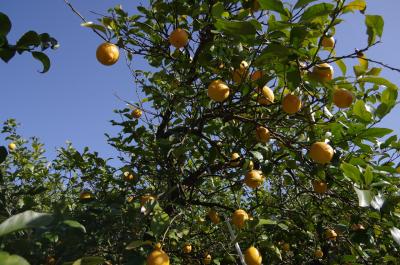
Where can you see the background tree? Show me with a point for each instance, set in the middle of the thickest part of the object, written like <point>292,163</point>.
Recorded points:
<point>246,141</point>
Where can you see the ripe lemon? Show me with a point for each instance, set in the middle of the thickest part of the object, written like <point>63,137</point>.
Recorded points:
<point>252,256</point>
<point>158,257</point>
<point>235,160</point>
<point>239,217</point>
<point>262,134</point>
<point>146,199</point>
<point>357,227</point>
<point>318,253</point>
<point>12,146</point>
<point>179,38</point>
<point>320,186</point>
<point>214,217</point>
<point>291,104</point>
<point>328,42</point>
<point>286,247</point>
<point>86,196</point>
<point>266,97</point>
<point>240,74</point>
<point>207,259</point>
<point>254,179</point>
<point>321,152</point>
<point>342,98</point>
<point>257,75</point>
<point>218,91</point>
<point>128,176</point>
<point>136,113</point>
<point>107,53</point>
<point>187,248</point>
<point>330,234</point>
<point>323,72</point>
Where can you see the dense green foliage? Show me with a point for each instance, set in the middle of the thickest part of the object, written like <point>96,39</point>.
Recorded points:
<point>179,151</point>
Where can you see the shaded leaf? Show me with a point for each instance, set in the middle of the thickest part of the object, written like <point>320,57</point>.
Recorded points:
<point>89,261</point>
<point>7,259</point>
<point>25,220</point>
<point>5,24</point>
<point>43,59</point>
<point>30,38</point>
<point>75,224</point>
<point>378,81</point>
<point>232,27</point>
<point>317,10</point>
<point>274,5</point>
<point>302,3</point>
<point>3,154</point>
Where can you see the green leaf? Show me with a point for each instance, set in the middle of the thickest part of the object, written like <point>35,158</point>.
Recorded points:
<point>316,11</point>
<point>3,154</point>
<point>274,5</point>
<point>361,111</point>
<point>75,224</point>
<point>262,222</point>
<point>342,66</point>
<point>159,222</point>
<point>94,26</point>
<point>273,50</point>
<point>374,25</point>
<point>389,96</point>
<point>25,220</point>
<point>376,132</point>
<point>351,172</point>
<point>247,29</point>
<point>375,71</point>
<point>257,155</point>
<point>7,259</point>
<point>6,54</point>
<point>30,38</point>
<point>43,59</point>
<point>368,176</point>
<point>5,24</point>
<point>89,261</point>
<point>359,5</point>
<point>217,10</point>
<point>302,3</point>
<point>378,81</point>
<point>137,243</point>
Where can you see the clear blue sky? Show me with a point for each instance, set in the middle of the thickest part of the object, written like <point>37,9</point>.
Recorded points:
<point>74,100</point>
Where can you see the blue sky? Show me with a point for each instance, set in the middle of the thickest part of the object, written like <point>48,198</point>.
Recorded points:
<point>75,100</point>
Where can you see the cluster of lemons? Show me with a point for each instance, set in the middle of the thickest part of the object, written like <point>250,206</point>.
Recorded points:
<point>218,91</point>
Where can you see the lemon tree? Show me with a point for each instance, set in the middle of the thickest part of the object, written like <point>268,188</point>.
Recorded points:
<point>255,143</point>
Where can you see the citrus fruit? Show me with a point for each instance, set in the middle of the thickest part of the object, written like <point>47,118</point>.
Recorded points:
<point>239,217</point>
<point>12,146</point>
<point>252,256</point>
<point>128,176</point>
<point>146,199</point>
<point>218,91</point>
<point>327,42</point>
<point>187,248</point>
<point>214,217</point>
<point>107,53</point>
<point>158,257</point>
<point>323,72</point>
<point>318,253</point>
<point>291,104</point>
<point>320,186</point>
<point>321,152</point>
<point>256,75</point>
<point>207,259</point>
<point>240,74</point>
<point>330,234</point>
<point>235,160</point>
<point>136,113</point>
<point>179,38</point>
<point>266,96</point>
<point>254,179</point>
<point>262,134</point>
<point>342,98</point>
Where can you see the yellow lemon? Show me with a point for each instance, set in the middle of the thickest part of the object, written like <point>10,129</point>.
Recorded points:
<point>107,53</point>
